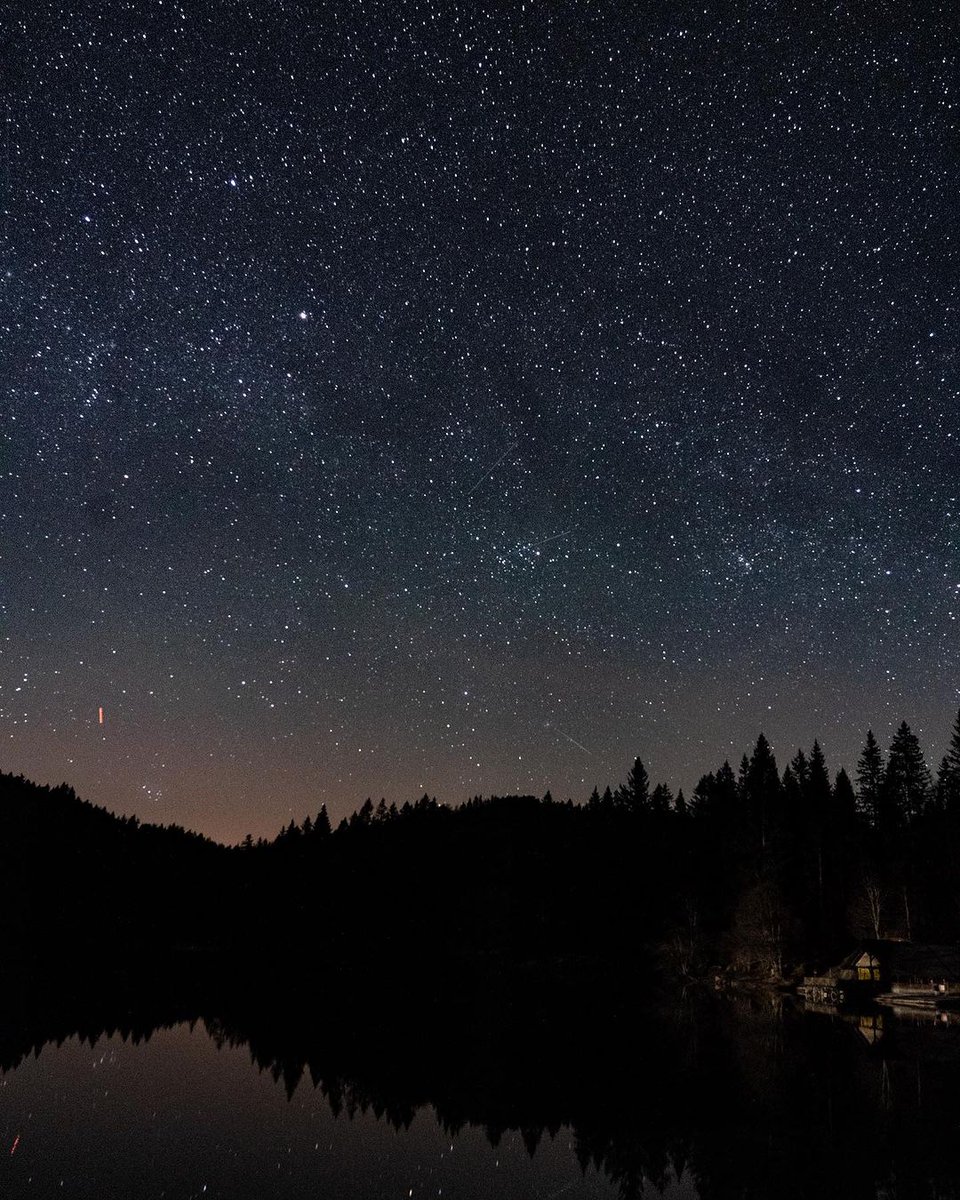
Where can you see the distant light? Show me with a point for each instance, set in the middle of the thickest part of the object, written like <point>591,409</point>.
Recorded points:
<point>100,714</point>
<point>303,314</point>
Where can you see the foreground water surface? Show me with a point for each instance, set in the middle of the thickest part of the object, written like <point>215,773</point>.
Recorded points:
<point>178,1116</point>
<point>715,1097</point>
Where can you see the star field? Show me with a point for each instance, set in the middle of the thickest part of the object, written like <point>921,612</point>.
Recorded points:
<point>420,397</point>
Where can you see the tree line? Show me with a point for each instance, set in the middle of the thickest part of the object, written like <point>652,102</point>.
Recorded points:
<point>762,869</point>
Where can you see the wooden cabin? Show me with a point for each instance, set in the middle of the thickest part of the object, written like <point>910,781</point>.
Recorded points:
<point>899,968</point>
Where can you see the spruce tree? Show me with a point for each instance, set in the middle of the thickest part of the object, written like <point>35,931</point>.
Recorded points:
<point>844,799</point>
<point>661,802</point>
<point>870,767</point>
<point>635,794</point>
<point>819,778</point>
<point>949,775</point>
<point>800,769</point>
<point>763,793</point>
<point>906,781</point>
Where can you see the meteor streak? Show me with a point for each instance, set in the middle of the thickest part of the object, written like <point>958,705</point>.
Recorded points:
<point>573,741</point>
<point>493,468</point>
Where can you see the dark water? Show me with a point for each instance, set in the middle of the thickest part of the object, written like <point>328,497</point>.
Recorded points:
<point>691,1097</point>
<point>176,1116</point>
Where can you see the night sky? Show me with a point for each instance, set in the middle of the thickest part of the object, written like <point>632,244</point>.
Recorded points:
<point>403,397</point>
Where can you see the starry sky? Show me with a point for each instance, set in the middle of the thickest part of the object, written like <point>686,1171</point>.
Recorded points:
<point>462,398</point>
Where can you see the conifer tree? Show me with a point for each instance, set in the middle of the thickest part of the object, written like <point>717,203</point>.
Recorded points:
<point>906,781</point>
<point>819,777</point>
<point>870,768</point>
<point>763,792</point>
<point>701,802</point>
<point>949,774</point>
<point>793,802</point>
<point>661,801</point>
<point>844,799</point>
<point>635,794</point>
<point>726,786</point>
<point>800,769</point>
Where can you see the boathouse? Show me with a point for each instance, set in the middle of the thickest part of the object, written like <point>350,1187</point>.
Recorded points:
<point>889,966</point>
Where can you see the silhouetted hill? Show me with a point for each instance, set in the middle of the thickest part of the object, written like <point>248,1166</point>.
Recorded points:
<point>76,879</point>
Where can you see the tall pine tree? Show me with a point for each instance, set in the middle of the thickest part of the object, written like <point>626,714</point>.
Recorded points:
<point>906,784</point>
<point>948,779</point>
<point>634,795</point>
<point>870,767</point>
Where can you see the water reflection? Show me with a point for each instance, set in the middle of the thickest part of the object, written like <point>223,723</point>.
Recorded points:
<point>140,1094</point>
<point>180,1115</point>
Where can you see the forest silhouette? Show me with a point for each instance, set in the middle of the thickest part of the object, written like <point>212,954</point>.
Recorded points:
<point>763,871</point>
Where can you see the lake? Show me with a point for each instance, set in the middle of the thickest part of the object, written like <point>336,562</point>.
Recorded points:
<point>178,1116</point>
<point>707,1098</point>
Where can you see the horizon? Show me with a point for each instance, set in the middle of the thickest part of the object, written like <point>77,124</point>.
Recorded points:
<point>342,811</point>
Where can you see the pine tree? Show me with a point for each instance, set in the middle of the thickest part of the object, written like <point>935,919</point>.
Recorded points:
<point>726,787</point>
<point>792,795</point>
<point>762,792</point>
<point>742,777</point>
<point>949,775</point>
<point>661,801</point>
<point>870,768</point>
<point>906,782</point>
<point>819,778</point>
<point>800,769</point>
<point>844,799</point>
<point>321,826</point>
<point>635,794</point>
